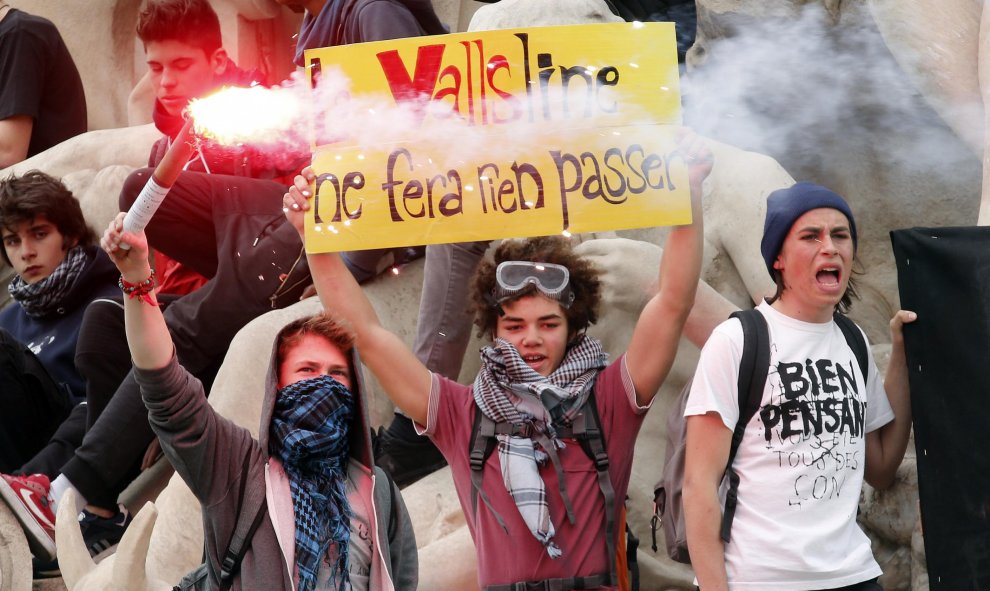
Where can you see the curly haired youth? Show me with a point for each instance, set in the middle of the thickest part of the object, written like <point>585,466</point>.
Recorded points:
<point>584,281</point>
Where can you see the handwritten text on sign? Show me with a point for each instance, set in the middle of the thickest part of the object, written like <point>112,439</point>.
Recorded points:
<point>538,131</point>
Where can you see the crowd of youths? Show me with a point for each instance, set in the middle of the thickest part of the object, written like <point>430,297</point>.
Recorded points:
<point>540,445</point>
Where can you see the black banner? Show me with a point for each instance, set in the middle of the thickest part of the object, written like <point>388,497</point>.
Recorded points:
<point>944,275</point>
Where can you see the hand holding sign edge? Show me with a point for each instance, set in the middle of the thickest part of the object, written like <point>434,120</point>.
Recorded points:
<point>295,202</point>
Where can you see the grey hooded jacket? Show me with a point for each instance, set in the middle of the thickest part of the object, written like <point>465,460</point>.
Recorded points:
<point>208,451</point>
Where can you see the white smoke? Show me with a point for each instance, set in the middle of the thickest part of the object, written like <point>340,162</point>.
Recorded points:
<point>794,88</point>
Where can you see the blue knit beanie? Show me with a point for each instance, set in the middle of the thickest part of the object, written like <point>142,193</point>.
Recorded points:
<point>785,206</point>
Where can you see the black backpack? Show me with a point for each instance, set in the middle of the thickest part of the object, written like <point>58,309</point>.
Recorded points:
<point>668,511</point>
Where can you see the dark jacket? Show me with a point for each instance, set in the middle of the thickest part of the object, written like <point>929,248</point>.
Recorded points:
<point>342,22</point>
<point>208,451</point>
<point>53,337</point>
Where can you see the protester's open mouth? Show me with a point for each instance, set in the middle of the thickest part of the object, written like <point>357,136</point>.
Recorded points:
<point>828,276</point>
<point>534,360</point>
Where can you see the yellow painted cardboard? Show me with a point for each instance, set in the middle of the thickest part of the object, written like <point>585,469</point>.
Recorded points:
<point>582,112</point>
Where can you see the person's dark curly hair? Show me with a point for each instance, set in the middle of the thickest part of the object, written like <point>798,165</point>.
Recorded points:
<point>33,194</point>
<point>584,281</point>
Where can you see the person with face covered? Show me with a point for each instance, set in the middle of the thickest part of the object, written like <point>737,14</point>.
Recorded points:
<point>227,228</point>
<point>230,228</point>
<point>185,58</point>
<point>331,519</point>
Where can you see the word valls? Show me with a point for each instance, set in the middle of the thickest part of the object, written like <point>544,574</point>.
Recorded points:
<point>472,84</point>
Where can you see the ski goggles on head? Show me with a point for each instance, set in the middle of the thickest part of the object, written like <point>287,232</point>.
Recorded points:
<point>553,281</point>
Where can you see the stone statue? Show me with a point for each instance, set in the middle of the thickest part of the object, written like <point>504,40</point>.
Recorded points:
<point>164,549</point>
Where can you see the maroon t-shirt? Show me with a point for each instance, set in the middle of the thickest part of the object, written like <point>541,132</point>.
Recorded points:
<point>518,556</point>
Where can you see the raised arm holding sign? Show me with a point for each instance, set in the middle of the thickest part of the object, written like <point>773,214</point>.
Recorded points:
<point>520,132</point>
<point>541,363</point>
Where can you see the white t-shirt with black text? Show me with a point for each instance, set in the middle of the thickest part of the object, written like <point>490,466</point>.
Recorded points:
<point>802,456</point>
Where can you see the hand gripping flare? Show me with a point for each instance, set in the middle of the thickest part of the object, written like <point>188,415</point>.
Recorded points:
<point>161,180</point>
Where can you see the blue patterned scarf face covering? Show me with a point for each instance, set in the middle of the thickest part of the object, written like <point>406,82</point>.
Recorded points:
<point>310,434</point>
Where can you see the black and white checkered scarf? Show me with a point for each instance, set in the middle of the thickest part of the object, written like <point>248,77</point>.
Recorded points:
<point>310,434</point>
<point>44,297</point>
<point>509,390</point>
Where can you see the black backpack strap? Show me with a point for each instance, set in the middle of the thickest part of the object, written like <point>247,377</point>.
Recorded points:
<point>753,369</point>
<point>589,434</point>
<point>632,554</point>
<point>482,444</point>
<point>253,509</point>
<point>587,430</point>
<point>856,342</point>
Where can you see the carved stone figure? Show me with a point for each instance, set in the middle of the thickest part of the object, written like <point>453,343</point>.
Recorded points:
<point>849,147</point>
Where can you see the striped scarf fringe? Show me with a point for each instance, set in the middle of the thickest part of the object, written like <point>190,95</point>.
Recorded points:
<point>310,434</point>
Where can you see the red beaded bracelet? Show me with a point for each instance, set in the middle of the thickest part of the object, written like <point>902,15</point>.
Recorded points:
<point>141,290</point>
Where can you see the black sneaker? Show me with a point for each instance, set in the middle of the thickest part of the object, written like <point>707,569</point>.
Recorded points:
<point>408,254</point>
<point>404,454</point>
<point>102,534</point>
<point>45,569</point>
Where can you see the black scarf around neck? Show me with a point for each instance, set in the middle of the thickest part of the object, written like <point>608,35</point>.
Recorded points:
<point>46,296</point>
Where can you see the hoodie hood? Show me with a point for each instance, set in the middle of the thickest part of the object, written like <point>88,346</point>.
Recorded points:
<point>360,432</point>
<point>334,25</point>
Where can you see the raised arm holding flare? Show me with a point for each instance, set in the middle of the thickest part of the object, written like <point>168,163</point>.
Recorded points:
<point>311,464</point>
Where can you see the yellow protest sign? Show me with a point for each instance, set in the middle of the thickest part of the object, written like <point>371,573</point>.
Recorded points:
<point>506,133</point>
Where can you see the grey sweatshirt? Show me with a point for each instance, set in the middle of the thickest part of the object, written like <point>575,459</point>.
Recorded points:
<point>209,451</point>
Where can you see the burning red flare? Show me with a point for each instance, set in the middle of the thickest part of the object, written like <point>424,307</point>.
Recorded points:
<point>254,115</point>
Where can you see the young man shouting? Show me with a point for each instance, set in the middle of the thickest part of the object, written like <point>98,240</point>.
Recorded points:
<point>822,427</point>
<point>545,520</point>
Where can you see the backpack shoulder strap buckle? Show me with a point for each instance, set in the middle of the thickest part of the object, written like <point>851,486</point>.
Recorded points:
<point>482,440</point>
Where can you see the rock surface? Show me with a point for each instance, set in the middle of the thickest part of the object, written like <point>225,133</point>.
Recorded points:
<point>754,83</point>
